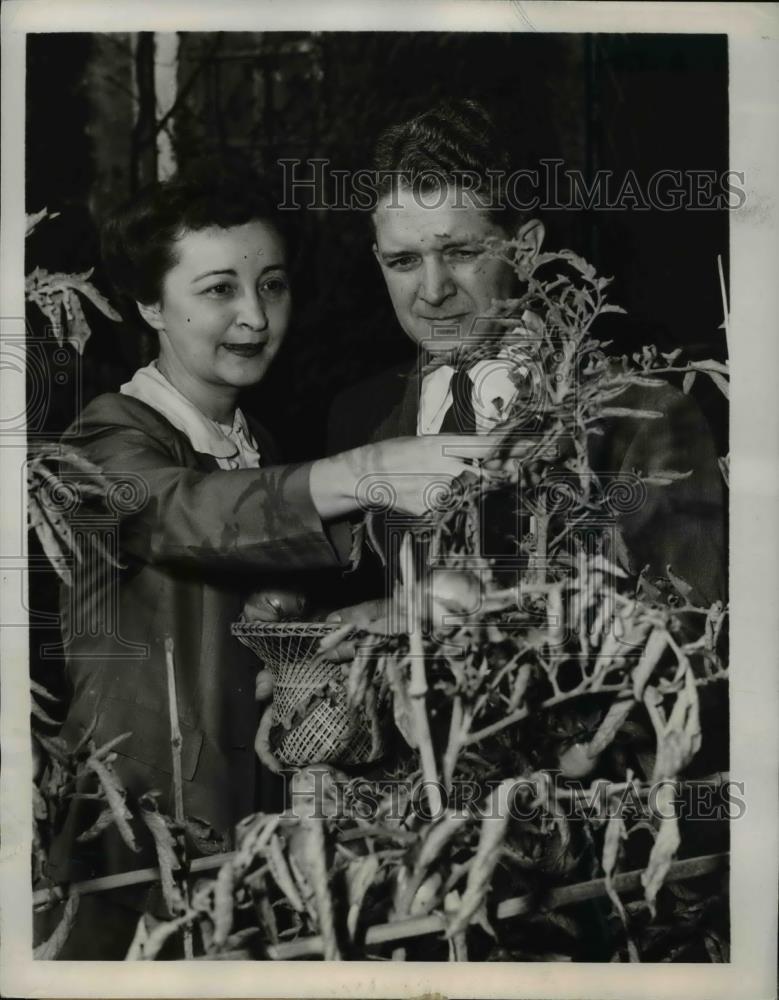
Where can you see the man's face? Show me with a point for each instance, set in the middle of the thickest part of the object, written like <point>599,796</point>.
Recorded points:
<point>432,253</point>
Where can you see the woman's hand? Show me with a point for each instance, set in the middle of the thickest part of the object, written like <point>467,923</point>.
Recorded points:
<point>399,471</point>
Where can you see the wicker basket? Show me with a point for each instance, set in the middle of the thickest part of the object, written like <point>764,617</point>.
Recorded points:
<point>329,732</point>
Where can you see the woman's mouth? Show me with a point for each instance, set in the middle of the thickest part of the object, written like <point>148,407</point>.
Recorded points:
<point>245,350</point>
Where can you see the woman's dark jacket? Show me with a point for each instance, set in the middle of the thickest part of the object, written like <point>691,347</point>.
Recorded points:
<point>193,540</point>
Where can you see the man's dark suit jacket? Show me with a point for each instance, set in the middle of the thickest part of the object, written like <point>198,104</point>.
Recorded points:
<point>193,542</point>
<point>681,525</point>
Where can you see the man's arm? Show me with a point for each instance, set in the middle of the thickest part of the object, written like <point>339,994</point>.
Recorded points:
<point>681,524</point>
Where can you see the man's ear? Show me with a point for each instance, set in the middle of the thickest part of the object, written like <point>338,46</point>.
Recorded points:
<point>375,249</point>
<point>530,236</point>
<point>152,314</point>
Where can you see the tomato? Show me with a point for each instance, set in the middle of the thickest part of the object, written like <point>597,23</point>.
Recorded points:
<point>457,592</point>
<point>275,604</point>
<point>575,762</point>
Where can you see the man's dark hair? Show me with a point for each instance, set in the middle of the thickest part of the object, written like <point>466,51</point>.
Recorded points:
<point>455,143</point>
<point>138,241</point>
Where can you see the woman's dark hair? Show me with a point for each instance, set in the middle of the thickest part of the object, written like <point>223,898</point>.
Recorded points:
<point>138,241</point>
<point>454,143</point>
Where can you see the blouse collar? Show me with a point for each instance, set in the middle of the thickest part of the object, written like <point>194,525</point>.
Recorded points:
<point>207,436</point>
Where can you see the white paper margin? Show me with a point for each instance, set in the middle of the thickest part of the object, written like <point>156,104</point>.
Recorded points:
<point>754,346</point>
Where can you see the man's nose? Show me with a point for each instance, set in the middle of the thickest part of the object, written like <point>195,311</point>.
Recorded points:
<point>437,283</point>
<point>251,311</point>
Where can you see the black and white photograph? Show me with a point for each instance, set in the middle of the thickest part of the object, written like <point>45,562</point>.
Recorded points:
<point>387,581</point>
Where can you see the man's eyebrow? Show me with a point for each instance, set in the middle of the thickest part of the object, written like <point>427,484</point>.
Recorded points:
<point>448,244</point>
<point>445,238</point>
<point>385,254</point>
<point>459,241</point>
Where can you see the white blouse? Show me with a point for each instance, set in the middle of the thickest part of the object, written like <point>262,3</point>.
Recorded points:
<point>233,447</point>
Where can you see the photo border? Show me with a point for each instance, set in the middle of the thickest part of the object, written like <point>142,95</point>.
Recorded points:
<point>753,31</point>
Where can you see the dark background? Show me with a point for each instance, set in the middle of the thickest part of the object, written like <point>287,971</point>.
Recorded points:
<point>618,102</point>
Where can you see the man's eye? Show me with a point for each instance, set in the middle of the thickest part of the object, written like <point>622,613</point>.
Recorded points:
<point>464,253</point>
<point>402,263</point>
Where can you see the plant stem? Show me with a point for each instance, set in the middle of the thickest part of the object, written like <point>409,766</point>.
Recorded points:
<point>542,538</point>
<point>122,879</point>
<point>516,907</point>
<point>521,713</point>
<point>417,689</point>
<point>178,780</point>
<point>175,734</point>
<point>455,742</point>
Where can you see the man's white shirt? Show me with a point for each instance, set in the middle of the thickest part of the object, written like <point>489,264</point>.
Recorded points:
<point>492,393</point>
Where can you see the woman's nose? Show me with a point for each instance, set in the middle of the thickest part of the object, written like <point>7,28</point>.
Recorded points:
<point>251,312</point>
<point>437,283</point>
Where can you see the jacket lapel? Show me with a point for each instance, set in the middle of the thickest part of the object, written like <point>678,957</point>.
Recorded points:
<point>401,421</point>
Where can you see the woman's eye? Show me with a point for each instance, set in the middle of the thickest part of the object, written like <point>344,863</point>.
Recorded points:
<point>275,287</point>
<point>220,289</point>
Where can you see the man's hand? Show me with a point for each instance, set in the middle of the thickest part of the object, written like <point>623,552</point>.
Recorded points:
<point>384,616</point>
<point>456,596</point>
<point>263,685</point>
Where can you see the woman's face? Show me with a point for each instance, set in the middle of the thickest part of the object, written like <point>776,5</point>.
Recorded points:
<point>225,306</point>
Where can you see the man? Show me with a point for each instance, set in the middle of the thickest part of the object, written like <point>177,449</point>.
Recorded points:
<point>429,241</point>
<point>440,200</point>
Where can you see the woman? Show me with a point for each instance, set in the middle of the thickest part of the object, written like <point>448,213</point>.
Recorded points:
<point>199,513</point>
